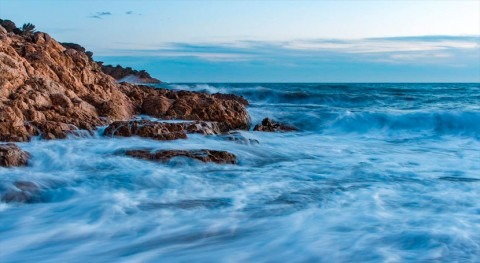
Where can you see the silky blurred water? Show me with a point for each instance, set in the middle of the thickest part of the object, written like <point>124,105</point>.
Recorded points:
<point>377,173</point>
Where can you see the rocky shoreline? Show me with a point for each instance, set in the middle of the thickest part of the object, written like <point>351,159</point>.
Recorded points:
<point>54,90</point>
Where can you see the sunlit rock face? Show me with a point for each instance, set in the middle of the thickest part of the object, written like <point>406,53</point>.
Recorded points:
<point>50,89</point>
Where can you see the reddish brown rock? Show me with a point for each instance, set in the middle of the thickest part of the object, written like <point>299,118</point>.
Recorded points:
<point>269,125</point>
<point>147,129</point>
<point>50,130</point>
<point>220,157</point>
<point>43,82</point>
<point>11,155</point>
<point>186,105</point>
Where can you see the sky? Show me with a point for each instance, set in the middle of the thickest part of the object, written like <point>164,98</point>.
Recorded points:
<point>270,41</point>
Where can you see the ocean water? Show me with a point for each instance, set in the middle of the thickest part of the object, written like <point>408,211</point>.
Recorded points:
<point>377,173</point>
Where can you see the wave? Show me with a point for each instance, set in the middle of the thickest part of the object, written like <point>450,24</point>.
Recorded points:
<point>435,123</point>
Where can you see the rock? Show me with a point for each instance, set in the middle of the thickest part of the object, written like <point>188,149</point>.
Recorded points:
<point>187,105</point>
<point>220,157</point>
<point>240,138</point>
<point>128,74</point>
<point>205,127</point>
<point>50,130</point>
<point>25,192</point>
<point>45,82</point>
<point>269,125</point>
<point>147,129</point>
<point>11,155</point>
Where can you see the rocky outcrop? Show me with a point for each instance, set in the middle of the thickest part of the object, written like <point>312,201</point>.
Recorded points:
<point>11,155</point>
<point>50,89</point>
<point>186,105</point>
<point>40,80</point>
<point>269,125</point>
<point>220,157</point>
<point>148,129</point>
<point>128,74</point>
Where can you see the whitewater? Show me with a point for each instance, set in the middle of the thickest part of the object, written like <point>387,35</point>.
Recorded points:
<point>376,173</point>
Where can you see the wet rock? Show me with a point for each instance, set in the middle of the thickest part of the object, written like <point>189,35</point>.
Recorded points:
<point>147,129</point>
<point>11,155</point>
<point>187,105</point>
<point>205,127</point>
<point>24,192</point>
<point>220,157</point>
<point>50,130</point>
<point>240,138</point>
<point>269,125</point>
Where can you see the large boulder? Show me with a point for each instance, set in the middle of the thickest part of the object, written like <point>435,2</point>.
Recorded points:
<point>269,125</point>
<point>11,155</point>
<point>220,157</point>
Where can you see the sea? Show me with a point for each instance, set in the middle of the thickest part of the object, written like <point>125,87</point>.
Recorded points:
<point>376,173</point>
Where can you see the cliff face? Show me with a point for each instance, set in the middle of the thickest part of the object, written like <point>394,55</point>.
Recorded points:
<point>48,89</point>
<point>42,81</point>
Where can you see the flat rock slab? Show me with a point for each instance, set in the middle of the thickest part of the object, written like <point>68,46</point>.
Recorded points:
<point>11,155</point>
<point>220,157</point>
<point>269,125</point>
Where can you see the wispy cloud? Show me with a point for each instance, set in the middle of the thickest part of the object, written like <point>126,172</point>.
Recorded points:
<point>100,15</point>
<point>397,50</point>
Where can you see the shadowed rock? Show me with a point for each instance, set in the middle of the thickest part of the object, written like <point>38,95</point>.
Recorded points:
<point>269,125</point>
<point>147,129</point>
<point>220,157</point>
<point>24,192</point>
<point>11,155</point>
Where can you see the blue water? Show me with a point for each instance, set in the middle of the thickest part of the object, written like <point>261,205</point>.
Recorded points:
<point>377,173</point>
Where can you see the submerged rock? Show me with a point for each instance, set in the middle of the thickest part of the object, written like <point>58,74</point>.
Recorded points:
<point>147,129</point>
<point>269,125</point>
<point>11,155</point>
<point>24,192</point>
<point>240,138</point>
<point>220,157</point>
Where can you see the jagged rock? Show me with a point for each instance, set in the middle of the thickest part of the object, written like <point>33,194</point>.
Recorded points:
<point>220,157</point>
<point>50,130</point>
<point>187,105</point>
<point>269,125</point>
<point>128,74</point>
<point>11,155</point>
<point>147,129</point>
<point>41,81</point>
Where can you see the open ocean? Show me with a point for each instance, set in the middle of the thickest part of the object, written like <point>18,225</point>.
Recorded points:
<point>377,173</point>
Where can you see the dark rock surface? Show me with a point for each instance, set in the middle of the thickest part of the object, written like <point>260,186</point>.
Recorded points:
<point>11,155</point>
<point>269,125</point>
<point>220,157</point>
<point>24,192</point>
<point>120,73</point>
<point>147,129</point>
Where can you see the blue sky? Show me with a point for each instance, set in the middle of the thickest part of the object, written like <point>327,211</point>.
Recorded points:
<point>271,41</point>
